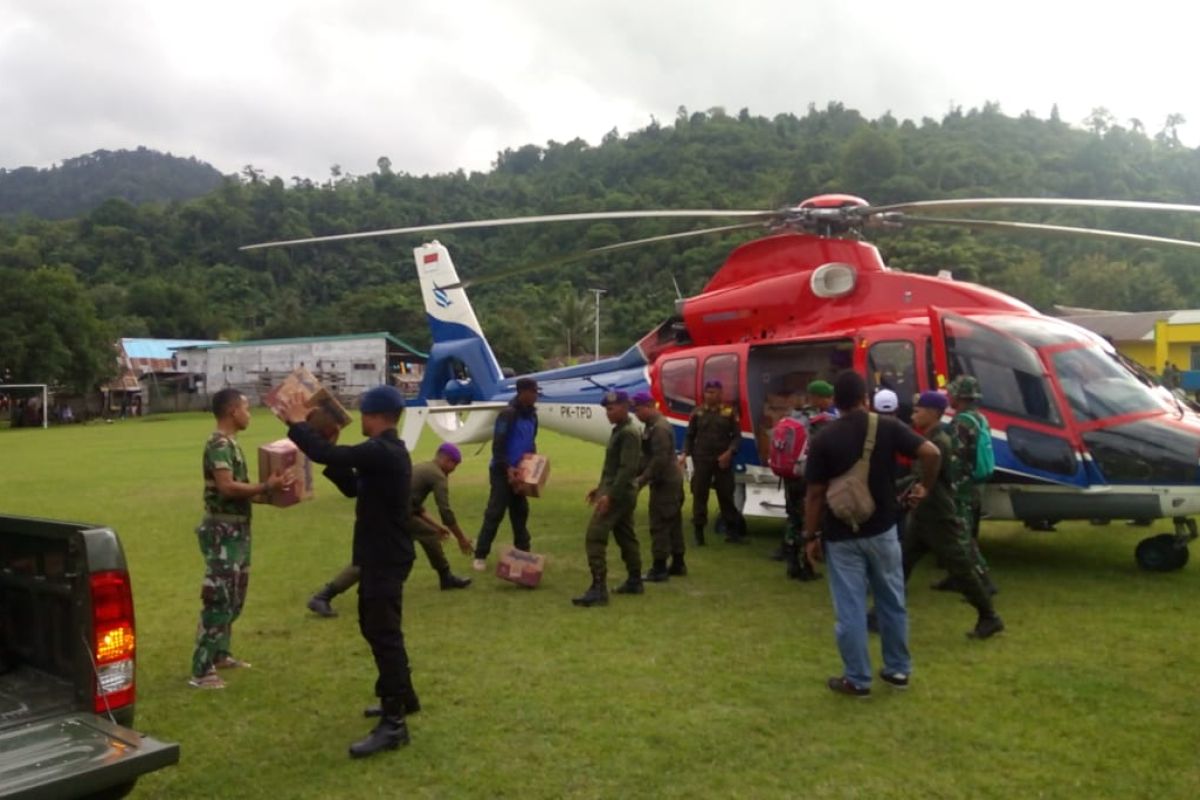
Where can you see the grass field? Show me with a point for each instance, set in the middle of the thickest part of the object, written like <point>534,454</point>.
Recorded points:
<point>708,686</point>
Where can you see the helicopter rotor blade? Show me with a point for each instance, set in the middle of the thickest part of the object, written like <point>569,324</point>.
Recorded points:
<point>1010,202</point>
<point>597,251</point>
<point>698,213</point>
<point>1063,230</point>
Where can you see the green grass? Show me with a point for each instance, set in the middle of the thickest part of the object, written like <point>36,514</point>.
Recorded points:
<point>708,686</point>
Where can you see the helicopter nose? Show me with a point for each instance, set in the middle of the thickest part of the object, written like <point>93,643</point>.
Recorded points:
<point>1147,451</point>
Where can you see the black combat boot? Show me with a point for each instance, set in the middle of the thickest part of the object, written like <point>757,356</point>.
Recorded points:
<point>678,567</point>
<point>408,700</point>
<point>947,584</point>
<point>632,585</point>
<point>388,734</point>
<point>658,572</point>
<point>449,580</point>
<point>736,533</point>
<point>596,595</point>
<point>699,535</point>
<point>989,624</point>
<point>319,602</point>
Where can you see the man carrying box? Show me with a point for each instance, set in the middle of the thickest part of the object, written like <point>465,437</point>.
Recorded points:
<point>615,499</point>
<point>428,477</point>
<point>514,435</point>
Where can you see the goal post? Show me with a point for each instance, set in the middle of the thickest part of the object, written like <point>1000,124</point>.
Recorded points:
<point>45,390</point>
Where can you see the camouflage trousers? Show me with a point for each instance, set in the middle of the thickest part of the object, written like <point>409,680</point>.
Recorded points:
<point>225,546</point>
<point>968,504</point>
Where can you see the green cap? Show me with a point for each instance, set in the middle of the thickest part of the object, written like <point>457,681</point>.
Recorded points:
<point>966,387</point>
<point>820,389</point>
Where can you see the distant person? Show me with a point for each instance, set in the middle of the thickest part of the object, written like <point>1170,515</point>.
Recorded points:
<point>660,471</point>
<point>378,474</point>
<point>886,402</point>
<point>514,435</point>
<point>936,525</point>
<point>429,477</point>
<point>866,555</point>
<point>224,535</point>
<point>815,415</point>
<point>614,500</point>
<point>714,433</point>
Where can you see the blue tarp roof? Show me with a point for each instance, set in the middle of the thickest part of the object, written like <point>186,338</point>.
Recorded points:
<point>159,348</point>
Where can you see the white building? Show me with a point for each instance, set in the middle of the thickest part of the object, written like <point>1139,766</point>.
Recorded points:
<point>347,365</point>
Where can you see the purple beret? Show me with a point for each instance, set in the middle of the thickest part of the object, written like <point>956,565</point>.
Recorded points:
<point>643,399</point>
<point>612,397</point>
<point>931,399</point>
<point>714,384</point>
<point>451,451</point>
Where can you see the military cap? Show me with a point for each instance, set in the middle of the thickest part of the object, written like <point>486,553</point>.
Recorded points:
<point>965,386</point>
<point>820,389</point>
<point>612,397</point>
<point>931,399</point>
<point>643,399</point>
<point>451,451</point>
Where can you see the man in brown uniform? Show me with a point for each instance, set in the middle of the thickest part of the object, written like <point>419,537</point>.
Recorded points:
<point>659,470</point>
<point>713,435</point>
<point>429,477</point>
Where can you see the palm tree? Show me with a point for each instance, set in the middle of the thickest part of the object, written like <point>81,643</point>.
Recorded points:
<point>572,319</point>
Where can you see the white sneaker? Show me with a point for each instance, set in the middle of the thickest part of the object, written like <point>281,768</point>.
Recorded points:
<point>479,565</point>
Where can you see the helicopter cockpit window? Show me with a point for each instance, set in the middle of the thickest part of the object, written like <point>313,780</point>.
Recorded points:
<point>1009,371</point>
<point>679,384</point>
<point>893,365</point>
<point>1097,386</point>
<point>723,368</point>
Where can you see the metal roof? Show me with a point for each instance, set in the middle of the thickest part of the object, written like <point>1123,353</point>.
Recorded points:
<point>160,348</point>
<point>310,339</point>
<point>1126,327</point>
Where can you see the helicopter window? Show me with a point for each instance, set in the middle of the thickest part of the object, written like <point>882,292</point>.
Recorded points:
<point>1008,371</point>
<point>893,365</point>
<point>1034,331</point>
<point>723,368</point>
<point>679,384</point>
<point>1097,386</point>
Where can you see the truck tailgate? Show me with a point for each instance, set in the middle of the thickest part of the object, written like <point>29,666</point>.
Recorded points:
<point>72,755</point>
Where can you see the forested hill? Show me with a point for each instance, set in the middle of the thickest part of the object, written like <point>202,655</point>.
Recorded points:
<point>80,184</point>
<point>175,270</point>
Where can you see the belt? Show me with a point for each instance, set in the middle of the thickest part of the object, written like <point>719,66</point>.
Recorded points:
<point>235,518</point>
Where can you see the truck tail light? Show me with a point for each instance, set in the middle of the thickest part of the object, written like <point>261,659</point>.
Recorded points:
<point>113,645</point>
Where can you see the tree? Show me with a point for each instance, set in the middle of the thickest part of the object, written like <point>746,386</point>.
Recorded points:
<point>572,320</point>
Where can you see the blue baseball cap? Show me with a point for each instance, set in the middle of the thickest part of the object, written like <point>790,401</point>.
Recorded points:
<point>931,399</point>
<point>382,400</point>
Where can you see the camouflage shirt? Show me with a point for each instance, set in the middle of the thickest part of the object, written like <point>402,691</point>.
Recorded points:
<point>621,463</point>
<point>428,477</point>
<point>939,505</point>
<point>223,452</point>
<point>711,432</point>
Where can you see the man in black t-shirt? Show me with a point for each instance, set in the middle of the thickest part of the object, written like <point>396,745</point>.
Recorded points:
<point>869,555</point>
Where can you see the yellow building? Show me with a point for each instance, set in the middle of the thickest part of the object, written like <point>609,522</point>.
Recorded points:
<point>1151,338</point>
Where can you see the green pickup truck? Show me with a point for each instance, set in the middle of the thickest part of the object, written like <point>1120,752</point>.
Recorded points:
<point>68,647</point>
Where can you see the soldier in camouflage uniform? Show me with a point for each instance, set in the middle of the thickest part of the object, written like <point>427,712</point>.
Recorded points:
<point>659,470</point>
<point>224,536</point>
<point>614,500</point>
<point>965,428</point>
<point>935,524</point>
<point>713,435</point>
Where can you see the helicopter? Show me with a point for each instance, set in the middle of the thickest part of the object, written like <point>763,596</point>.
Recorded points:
<point>1079,431</point>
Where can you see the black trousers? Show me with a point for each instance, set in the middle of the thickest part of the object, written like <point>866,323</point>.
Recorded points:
<point>380,608</point>
<point>503,499</point>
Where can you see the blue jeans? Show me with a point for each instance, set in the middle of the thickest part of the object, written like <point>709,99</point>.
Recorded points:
<point>855,565</point>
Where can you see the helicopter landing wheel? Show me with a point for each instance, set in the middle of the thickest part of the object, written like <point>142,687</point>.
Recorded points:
<point>1161,553</point>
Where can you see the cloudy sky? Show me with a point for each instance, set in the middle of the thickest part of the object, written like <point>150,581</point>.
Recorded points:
<point>295,87</point>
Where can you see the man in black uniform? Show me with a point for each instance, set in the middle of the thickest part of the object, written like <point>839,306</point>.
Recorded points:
<point>378,472</point>
<point>713,435</point>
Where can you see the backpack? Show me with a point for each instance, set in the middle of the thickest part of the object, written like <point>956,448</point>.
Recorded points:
<point>849,495</point>
<point>985,456</point>
<point>789,438</point>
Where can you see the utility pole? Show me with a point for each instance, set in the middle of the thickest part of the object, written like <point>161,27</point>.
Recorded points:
<point>598,292</point>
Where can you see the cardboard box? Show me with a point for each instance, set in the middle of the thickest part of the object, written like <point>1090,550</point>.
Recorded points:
<point>325,414</point>
<point>283,456</point>
<point>535,469</point>
<point>519,567</point>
